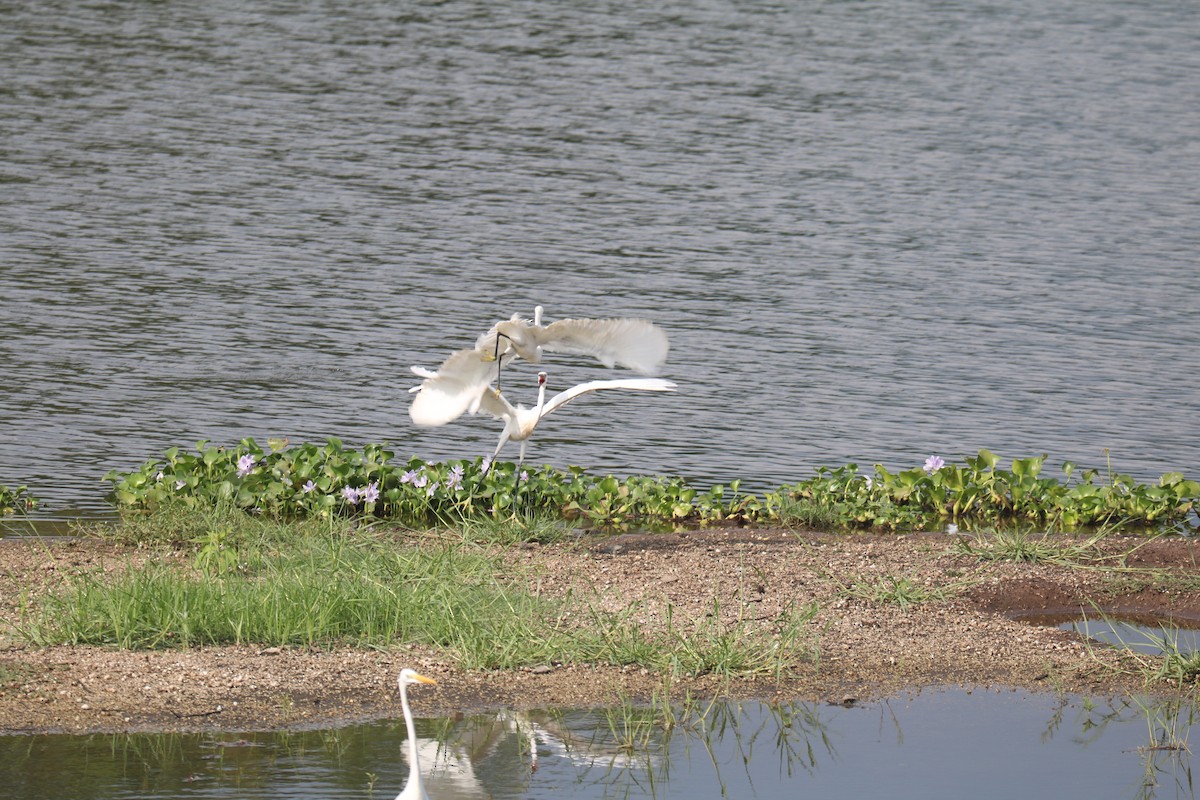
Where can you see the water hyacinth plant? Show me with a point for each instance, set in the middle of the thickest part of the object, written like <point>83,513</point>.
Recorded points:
<point>16,501</point>
<point>978,493</point>
<point>330,480</point>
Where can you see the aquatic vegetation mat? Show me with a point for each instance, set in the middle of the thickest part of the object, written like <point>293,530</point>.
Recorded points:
<point>332,480</point>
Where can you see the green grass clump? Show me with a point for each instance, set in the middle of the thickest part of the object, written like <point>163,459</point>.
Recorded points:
<point>232,579</point>
<point>1024,547</point>
<point>891,590</point>
<point>709,647</point>
<point>1176,664</point>
<point>319,591</point>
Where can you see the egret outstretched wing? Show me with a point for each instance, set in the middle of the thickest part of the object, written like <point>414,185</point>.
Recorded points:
<point>641,384</point>
<point>456,387</point>
<point>520,422</point>
<point>494,403</point>
<point>637,344</point>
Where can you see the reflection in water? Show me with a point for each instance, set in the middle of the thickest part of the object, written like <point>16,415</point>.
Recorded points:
<point>1163,751</point>
<point>953,743</point>
<point>1163,638</point>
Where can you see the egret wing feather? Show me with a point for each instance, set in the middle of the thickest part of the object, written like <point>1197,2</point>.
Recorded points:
<point>494,403</point>
<point>457,387</point>
<point>641,384</point>
<point>637,344</point>
<point>516,335</point>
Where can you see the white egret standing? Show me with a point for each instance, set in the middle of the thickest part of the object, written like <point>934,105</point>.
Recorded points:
<point>458,385</point>
<point>520,422</point>
<point>414,789</point>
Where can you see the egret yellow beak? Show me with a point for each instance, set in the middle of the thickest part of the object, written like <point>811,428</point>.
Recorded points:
<point>423,679</point>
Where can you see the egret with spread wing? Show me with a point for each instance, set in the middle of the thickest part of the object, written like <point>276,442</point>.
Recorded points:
<point>459,384</point>
<point>520,422</point>
<point>637,344</point>
<point>414,788</point>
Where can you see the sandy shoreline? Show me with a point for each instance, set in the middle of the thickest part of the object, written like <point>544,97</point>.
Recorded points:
<point>865,649</point>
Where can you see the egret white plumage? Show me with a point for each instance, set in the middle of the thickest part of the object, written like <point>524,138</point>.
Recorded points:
<point>458,385</point>
<point>414,789</point>
<point>637,344</point>
<point>520,422</point>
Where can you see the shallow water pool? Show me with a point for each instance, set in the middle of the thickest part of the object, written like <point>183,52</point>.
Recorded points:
<point>943,743</point>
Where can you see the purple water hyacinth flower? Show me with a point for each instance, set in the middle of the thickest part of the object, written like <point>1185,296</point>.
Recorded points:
<point>933,464</point>
<point>456,476</point>
<point>308,487</point>
<point>245,464</point>
<point>420,481</point>
<point>870,481</point>
<point>371,493</point>
<point>179,485</point>
<point>486,465</point>
<point>350,494</point>
<point>159,476</point>
<point>409,477</point>
<point>432,488</point>
<point>524,475</point>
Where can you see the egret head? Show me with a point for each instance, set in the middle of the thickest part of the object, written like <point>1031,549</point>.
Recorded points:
<point>409,676</point>
<point>541,379</point>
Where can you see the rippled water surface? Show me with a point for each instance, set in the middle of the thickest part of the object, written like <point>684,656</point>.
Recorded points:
<point>939,744</point>
<point>873,230</point>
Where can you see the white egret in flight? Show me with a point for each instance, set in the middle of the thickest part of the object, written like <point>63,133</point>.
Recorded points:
<point>637,344</point>
<point>458,385</point>
<point>414,789</point>
<point>519,422</point>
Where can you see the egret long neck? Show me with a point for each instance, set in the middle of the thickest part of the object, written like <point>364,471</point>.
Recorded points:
<point>414,766</point>
<point>541,403</point>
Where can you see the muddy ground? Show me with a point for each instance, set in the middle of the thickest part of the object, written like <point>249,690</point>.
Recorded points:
<point>975,636</point>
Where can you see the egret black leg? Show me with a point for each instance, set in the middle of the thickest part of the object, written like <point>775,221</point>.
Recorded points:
<point>496,356</point>
<point>517,488</point>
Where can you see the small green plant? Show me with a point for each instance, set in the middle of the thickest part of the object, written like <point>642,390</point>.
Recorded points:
<point>536,528</point>
<point>1024,547</point>
<point>1156,656</point>
<point>1179,665</point>
<point>16,501</point>
<point>216,555</point>
<point>633,728</point>
<point>890,590</point>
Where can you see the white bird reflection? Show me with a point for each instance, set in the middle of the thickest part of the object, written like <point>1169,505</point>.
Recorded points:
<point>504,749</point>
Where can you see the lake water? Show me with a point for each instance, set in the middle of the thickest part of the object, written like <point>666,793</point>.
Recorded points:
<point>937,744</point>
<point>874,231</point>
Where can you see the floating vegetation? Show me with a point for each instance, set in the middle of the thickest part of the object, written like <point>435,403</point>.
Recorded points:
<point>16,501</point>
<point>979,494</point>
<point>330,480</point>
